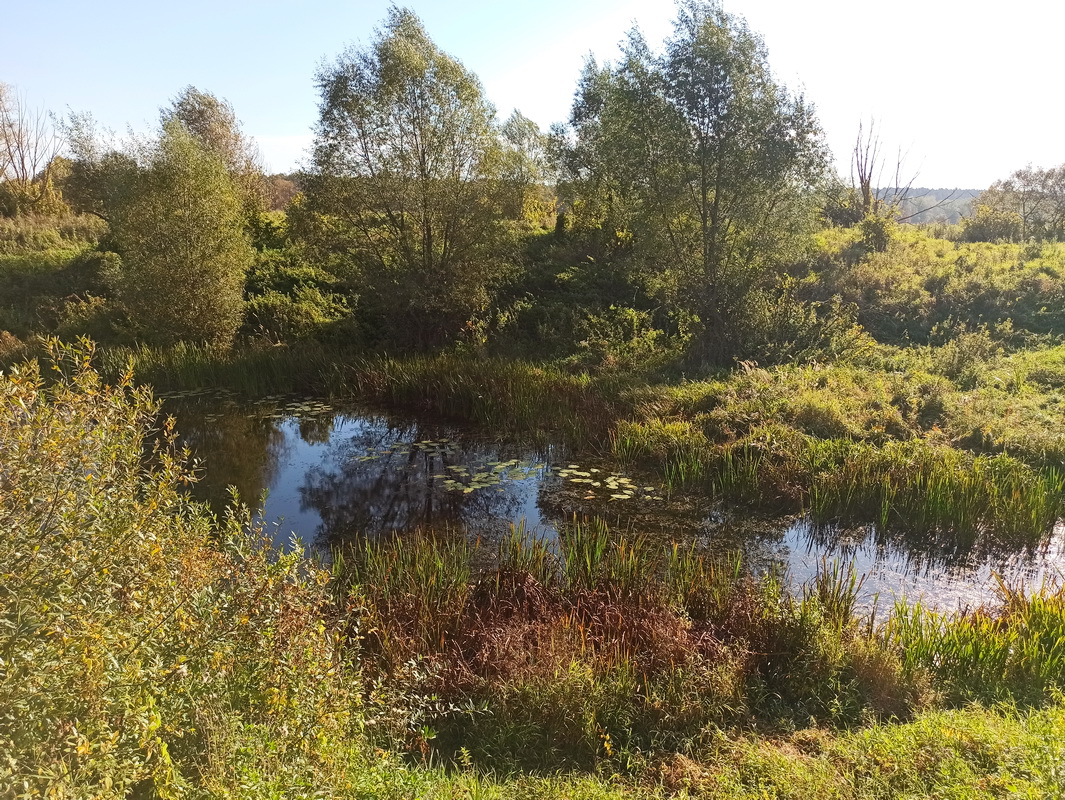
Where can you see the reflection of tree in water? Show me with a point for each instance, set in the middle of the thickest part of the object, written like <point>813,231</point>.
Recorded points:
<point>233,446</point>
<point>316,429</point>
<point>399,490</point>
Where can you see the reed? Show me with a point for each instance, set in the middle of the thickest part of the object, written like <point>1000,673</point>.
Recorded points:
<point>299,368</point>
<point>914,484</point>
<point>512,396</point>
<point>1012,650</point>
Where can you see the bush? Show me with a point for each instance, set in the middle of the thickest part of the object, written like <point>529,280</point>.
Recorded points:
<point>146,650</point>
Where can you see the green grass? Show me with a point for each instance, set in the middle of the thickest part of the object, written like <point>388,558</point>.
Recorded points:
<point>302,368</point>
<point>608,648</point>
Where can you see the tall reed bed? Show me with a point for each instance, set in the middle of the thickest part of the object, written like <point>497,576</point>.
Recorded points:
<point>514,396</point>
<point>299,368</point>
<point>1013,650</point>
<point>913,485</point>
<point>601,642</point>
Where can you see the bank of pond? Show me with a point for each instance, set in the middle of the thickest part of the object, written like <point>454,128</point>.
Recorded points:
<point>476,614</point>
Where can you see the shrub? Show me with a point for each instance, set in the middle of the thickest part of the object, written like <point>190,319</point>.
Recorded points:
<point>147,650</point>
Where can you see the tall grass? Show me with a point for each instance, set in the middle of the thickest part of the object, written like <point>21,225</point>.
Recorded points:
<point>604,645</point>
<point>1013,650</point>
<point>911,485</point>
<point>302,367</point>
<point>512,396</point>
<point>25,234</point>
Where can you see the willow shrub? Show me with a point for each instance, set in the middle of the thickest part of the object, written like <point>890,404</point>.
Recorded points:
<point>145,648</point>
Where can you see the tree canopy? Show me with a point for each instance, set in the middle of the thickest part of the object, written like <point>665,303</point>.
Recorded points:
<point>405,169</point>
<point>179,230</point>
<point>700,159</point>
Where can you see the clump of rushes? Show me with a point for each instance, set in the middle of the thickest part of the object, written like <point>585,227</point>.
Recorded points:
<point>301,367</point>
<point>509,396</point>
<point>916,484</point>
<point>603,645</point>
<point>1011,651</point>
<point>607,646</point>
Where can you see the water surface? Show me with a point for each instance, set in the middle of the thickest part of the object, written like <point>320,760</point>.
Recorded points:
<point>329,474</point>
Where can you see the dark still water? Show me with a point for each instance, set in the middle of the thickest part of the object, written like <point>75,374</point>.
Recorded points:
<point>329,474</point>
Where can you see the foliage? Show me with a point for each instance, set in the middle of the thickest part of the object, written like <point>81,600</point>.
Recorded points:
<point>989,224</point>
<point>25,233</point>
<point>213,124</point>
<point>183,248</point>
<point>1030,203</point>
<point>143,644</point>
<point>288,300</point>
<point>29,146</point>
<point>405,161</point>
<point>151,649</point>
<point>920,282</point>
<point>700,158</point>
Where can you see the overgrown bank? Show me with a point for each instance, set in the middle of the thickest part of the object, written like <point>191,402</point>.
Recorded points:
<point>149,648</point>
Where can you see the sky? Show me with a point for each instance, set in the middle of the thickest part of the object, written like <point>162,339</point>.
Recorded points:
<point>963,93</point>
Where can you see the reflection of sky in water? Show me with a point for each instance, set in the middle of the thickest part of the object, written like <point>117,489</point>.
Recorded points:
<point>897,573</point>
<point>322,488</point>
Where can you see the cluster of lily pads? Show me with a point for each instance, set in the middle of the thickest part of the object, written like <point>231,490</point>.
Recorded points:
<point>268,407</point>
<point>441,447</point>
<point>600,485</point>
<point>459,477</point>
<point>595,483</point>
<point>185,394</point>
<point>281,407</point>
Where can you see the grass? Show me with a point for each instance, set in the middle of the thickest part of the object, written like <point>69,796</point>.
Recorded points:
<point>1014,651</point>
<point>915,484</point>
<point>606,648</point>
<point>301,368</point>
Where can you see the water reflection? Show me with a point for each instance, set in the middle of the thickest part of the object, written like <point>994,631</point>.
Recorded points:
<point>377,479</point>
<point>332,475</point>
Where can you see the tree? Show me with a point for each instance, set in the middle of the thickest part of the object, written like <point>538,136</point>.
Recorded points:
<point>701,160</point>
<point>405,167</point>
<point>29,143</point>
<point>525,171</point>
<point>213,123</point>
<point>179,230</point>
<point>1032,199</point>
<point>103,171</point>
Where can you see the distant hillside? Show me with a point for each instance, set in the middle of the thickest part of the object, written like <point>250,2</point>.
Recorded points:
<point>921,204</point>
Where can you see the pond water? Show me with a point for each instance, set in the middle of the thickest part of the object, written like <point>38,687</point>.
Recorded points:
<point>328,474</point>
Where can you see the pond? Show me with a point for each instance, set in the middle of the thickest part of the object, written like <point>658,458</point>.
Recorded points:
<point>330,473</point>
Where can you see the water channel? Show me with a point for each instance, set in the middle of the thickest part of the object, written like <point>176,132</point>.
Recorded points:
<point>329,473</point>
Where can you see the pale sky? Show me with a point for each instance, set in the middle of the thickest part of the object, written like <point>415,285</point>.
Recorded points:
<point>969,91</point>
